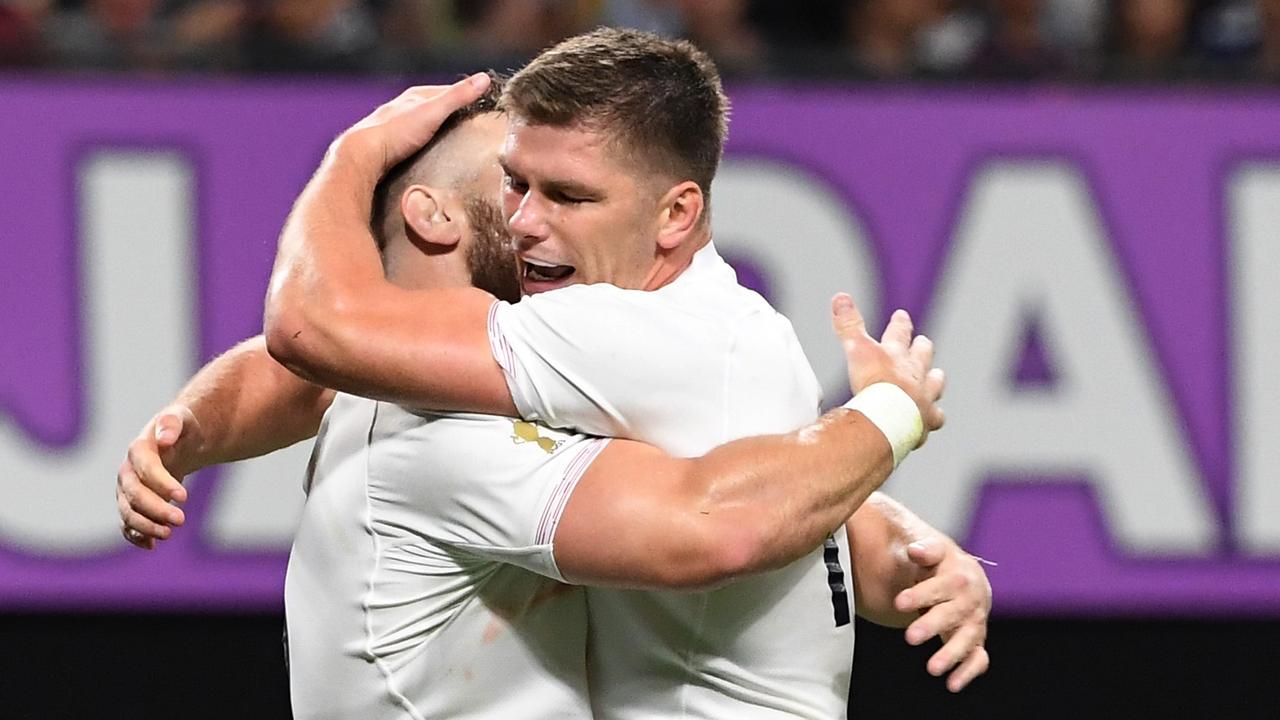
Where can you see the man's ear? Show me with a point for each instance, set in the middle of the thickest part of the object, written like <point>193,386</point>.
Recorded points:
<point>428,215</point>
<point>682,207</point>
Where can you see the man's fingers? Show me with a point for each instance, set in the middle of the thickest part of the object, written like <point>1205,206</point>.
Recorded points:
<point>936,418</point>
<point>163,481</point>
<point>137,539</point>
<point>145,502</point>
<point>847,321</point>
<point>435,104</point>
<point>977,663</point>
<point>921,352</point>
<point>955,602</point>
<point>935,383</point>
<point>465,90</point>
<point>470,88</point>
<point>405,124</point>
<point>138,529</point>
<point>147,463</point>
<point>898,331</point>
<point>926,553</point>
<point>942,619</point>
<point>425,98</point>
<point>168,428</point>
<point>153,488</point>
<point>958,647</point>
<point>929,592</point>
<point>136,497</point>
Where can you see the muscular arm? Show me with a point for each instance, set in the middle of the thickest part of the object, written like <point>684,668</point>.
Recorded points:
<point>640,518</point>
<point>248,405</point>
<point>879,533</point>
<point>242,404</point>
<point>332,317</point>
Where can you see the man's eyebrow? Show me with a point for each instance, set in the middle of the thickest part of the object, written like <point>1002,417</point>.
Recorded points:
<point>563,187</point>
<point>569,187</point>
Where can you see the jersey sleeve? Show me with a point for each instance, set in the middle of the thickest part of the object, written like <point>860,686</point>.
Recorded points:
<point>522,530</point>
<point>607,361</point>
<point>491,487</point>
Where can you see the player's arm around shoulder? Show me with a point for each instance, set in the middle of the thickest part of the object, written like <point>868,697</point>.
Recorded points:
<point>242,404</point>
<point>641,518</point>
<point>420,348</point>
<point>330,313</point>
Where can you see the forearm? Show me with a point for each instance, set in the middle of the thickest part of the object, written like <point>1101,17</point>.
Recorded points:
<point>325,260</point>
<point>748,506</point>
<point>326,252</point>
<point>333,318</point>
<point>879,533</point>
<point>249,405</point>
<point>790,492</point>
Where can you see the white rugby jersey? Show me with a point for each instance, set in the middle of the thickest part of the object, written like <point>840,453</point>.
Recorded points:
<point>688,367</point>
<point>421,582</point>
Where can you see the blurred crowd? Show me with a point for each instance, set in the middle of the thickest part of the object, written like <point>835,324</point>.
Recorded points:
<point>1155,40</point>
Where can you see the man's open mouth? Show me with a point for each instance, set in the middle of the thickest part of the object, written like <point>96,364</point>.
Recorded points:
<point>541,272</point>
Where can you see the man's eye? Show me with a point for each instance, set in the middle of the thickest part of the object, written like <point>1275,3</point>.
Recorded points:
<point>516,185</point>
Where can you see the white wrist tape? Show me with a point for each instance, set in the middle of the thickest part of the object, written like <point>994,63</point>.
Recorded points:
<point>892,410</point>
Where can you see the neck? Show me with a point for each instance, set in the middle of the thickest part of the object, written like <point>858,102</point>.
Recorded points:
<point>410,268</point>
<point>671,264</point>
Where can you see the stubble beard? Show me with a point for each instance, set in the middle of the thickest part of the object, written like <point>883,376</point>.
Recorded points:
<point>491,260</point>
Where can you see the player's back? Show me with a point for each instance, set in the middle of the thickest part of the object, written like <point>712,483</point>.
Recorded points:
<point>397,605</point>
<point>688,367</point>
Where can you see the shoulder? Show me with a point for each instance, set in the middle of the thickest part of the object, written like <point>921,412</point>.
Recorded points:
<point>702,304</point>
<point>467,445</point>
<point>445,464</point>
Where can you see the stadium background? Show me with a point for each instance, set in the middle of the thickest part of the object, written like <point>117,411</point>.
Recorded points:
<point>1076,198</point>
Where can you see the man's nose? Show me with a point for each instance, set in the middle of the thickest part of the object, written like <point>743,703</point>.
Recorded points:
<point>527,223</point>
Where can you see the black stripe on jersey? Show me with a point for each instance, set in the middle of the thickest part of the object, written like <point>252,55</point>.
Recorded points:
<point>835,580</point>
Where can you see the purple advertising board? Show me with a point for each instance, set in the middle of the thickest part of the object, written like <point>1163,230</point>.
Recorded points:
<point>1095,266</point>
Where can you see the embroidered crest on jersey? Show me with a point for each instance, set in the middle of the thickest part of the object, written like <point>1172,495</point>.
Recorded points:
<point>524,431</point>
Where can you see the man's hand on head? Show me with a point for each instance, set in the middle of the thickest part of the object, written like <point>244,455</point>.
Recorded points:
<point>405,124</point>
<point>953,597</point>
<point>150,478</point>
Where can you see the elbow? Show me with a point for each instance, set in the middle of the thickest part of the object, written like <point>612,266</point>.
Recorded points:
<point>304,337</point>
<point>721,556</point>
<point>717,541</point>
<point>284,320</point>
<point>284,331</point>
<point>744,551</point>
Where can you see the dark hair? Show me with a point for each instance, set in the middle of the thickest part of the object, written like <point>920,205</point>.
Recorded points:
<point>661,99</point>
<point>392,185</point>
